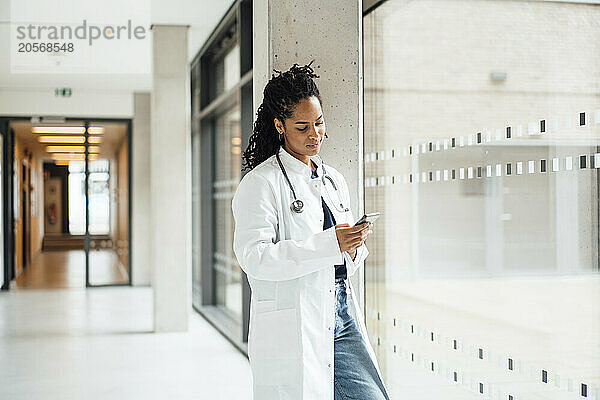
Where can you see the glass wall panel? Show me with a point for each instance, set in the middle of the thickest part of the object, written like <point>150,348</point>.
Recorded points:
<point>108,196</point>
<point>76,187</point>
<point>482,127</point>
<point>99,198</point>
<point>230,68</point>
<point>227,273</point>
<point>227,70</point>
<point>196,216</point>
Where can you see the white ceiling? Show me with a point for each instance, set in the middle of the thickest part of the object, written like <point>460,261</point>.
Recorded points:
<point>201,15</point>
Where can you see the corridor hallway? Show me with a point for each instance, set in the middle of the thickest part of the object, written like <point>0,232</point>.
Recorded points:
<point>66,269</point>
<point>62,200</point>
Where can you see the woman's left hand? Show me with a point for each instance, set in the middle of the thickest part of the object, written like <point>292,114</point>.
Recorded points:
<point>365,234</point>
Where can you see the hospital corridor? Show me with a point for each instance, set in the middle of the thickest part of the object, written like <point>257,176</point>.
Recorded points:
<point>182,185</point>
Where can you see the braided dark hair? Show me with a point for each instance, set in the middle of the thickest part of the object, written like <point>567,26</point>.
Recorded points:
<point>281,95</point>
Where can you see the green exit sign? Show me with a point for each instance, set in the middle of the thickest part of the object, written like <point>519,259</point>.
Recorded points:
<point>63,92</point>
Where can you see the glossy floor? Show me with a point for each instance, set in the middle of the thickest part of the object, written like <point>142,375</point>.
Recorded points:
<point>98,344</point>
<point>66,269</point>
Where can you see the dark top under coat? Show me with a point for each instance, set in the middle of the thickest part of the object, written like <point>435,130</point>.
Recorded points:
<point>328,222</point>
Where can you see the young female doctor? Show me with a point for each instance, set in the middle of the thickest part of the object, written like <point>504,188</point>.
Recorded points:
<point>295,240</point>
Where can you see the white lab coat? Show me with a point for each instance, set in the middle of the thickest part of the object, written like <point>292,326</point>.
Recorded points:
<point>289,260</point>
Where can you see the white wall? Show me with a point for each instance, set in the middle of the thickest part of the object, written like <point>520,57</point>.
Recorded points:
<point>82,103</point>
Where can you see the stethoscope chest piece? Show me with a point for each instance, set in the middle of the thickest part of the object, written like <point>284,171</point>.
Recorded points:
<point>297,206</point>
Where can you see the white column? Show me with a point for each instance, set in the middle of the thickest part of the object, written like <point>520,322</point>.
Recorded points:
<point>140,190</point>
<point>170,171</point>
<point>288,32</point>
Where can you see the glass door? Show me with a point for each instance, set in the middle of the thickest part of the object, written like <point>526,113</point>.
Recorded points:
<point>106,166</point>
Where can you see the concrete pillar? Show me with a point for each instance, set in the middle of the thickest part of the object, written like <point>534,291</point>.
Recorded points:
<point>170,184</point>
<point>288,32</point>
<point>140,190</point>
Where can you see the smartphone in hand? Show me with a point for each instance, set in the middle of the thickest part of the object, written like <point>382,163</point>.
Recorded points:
<point>371,217</point>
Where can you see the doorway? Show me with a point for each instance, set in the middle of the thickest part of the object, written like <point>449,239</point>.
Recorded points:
<point>71,204</point>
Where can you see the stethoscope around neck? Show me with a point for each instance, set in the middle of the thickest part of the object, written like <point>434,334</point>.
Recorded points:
<point>297,205</point>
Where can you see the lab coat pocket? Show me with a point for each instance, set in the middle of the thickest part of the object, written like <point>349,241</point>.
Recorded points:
<point>263,306</point>
<point>275,334</point>
<point>274,347</point>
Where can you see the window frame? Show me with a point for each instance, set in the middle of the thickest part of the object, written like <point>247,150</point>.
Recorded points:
<point>234,28</point>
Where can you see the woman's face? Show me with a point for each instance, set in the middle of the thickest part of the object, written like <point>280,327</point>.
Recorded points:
<point>304,130</point>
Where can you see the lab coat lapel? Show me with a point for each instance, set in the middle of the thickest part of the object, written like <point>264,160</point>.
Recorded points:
<point>332,199</point>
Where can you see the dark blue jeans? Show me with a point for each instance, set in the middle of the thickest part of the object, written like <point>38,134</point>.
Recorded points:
<point>355,376</point>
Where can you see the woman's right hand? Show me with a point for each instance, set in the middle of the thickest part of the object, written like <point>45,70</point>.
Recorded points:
<point>351,237</point>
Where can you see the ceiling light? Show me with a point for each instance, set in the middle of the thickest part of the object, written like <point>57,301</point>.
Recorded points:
<point>71,149</point>
<point>68,130</point>
<point>72,157</point>
<point>62,139</point>
<point>58,129</point>
<point>65,149</point>
<point>95,130</point>
<point>69,139</point>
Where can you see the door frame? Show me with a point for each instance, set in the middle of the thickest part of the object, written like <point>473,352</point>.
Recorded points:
<point>7,201</point>
<point>8,152</point>
<point>25,210</point>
